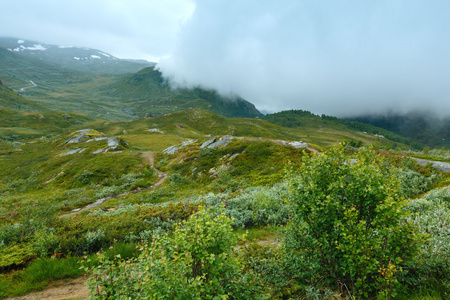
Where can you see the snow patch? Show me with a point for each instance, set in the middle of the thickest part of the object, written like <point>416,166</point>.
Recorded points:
<point>104,54</point>
<point>64,47</point>
<point>36,47</point>
<point>20,41</point>
<point>95,56</point>
<point>77,58</point>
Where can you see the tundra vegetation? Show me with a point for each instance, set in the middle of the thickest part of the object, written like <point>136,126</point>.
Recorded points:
<point>253,219</point>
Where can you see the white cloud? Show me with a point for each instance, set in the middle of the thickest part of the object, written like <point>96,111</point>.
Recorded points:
<point>333,57</point>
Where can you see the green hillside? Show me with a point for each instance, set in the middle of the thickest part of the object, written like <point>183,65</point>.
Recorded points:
<point>424,127</point>
<point>112,96</point>
<point>306,120</point>
<point>10,100</point>
<point>146,93</point>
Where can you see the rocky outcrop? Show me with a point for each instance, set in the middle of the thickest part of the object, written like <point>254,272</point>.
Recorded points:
<point>85,135</point>
<point>91,135</point>
<point>217,143</point>
<point>174,149</point>
<point>171,150</point>
<point>297,144</point>
<point>155,130</point>
<point>72,151</point>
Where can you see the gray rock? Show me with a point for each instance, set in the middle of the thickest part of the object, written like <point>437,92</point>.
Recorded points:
<point>188,142</point>
<point>222,142</point>
<point>113,142</point>
<point>171,150</point>
<point>80,136</point>
<point>16,144</point>
<point>207,143</point>
<point>97,151</point>
<point>73,151</point>
<point>155,130</point>
<point>298,144</point>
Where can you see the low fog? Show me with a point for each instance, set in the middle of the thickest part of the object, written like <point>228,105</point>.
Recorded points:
<point>339,58</point>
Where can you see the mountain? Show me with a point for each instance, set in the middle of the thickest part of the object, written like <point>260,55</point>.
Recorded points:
<point>76,58</point>
<point>421,126</point>
<point>146,93</point>
<point>50,75</point>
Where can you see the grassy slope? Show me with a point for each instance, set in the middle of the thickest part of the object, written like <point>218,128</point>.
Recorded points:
<point>36,182</point>
<point>146,93</point>
<point>11,100</point>
<point>196,123</point>
<point>364,132</point>
<point>424,127</point>
<point>115,97</point>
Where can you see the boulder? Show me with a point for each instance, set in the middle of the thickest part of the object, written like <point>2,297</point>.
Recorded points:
<point>207,143</point>
<point>171,150</point>
<point>84,135</point>
<point>155,130</point>
<point>298,144</point>
<point>73,151</point>
<point>217,143</point>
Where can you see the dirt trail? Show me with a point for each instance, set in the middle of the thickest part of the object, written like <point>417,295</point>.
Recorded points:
<point>75,289</point>
<point>32,85</point>
<point>147,157</point>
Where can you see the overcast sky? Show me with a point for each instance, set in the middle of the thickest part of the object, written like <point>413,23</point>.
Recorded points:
<point>334,57</point>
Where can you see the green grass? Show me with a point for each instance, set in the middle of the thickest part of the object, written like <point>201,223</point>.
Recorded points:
<point>42,271</point>
<point>152,141</point>
<point>38,275</point>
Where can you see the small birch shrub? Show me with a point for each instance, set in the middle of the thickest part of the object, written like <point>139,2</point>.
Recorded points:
<point>196,262</point>
<point>348,225</point>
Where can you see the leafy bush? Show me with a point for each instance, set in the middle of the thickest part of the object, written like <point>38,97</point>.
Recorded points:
<point>176,179</point>
<point>348,225</point>
<point>256,206</point>
<point>197,262</point>
<point>15,255</point>
<point>94,239</point>
<point>107,191</point>
<point>413,183</point>
<point>46,241</point>
<point>430,268</point>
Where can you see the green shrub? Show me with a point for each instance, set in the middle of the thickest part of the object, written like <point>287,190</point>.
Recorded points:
<point>176,179</point>
<point>94,239</point>
<point>413,183</point>
<point>107,191</point>
<point>348,226</point>
<point>430,268</point>
<point>46,241</point>
<point>196,262</point>
<point>15,255</point>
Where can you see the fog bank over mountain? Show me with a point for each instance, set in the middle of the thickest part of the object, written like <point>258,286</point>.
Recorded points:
<point>339,58</point>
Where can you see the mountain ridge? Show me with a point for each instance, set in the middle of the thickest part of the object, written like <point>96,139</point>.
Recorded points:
<point>78,58</point>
